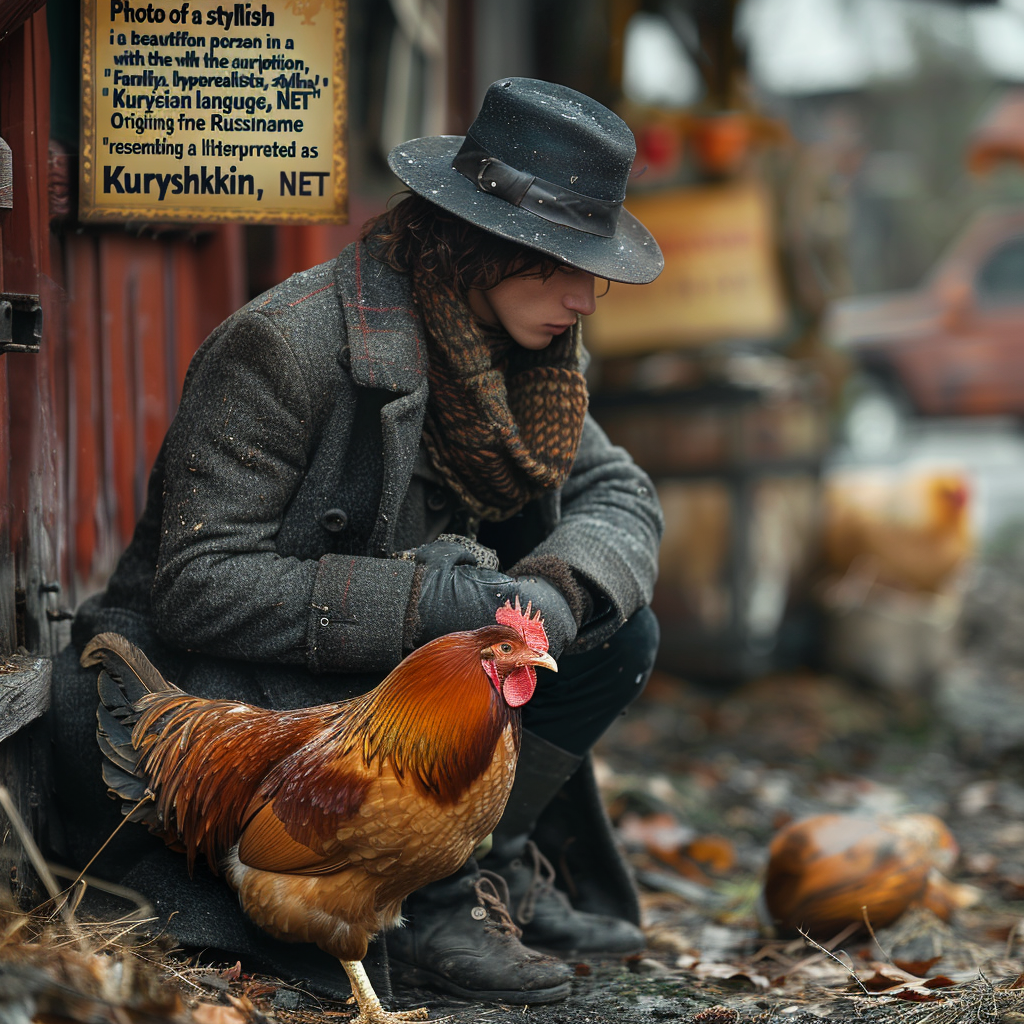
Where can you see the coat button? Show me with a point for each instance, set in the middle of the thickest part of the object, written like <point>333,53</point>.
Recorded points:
<point>437,499</point>
<point>334,519</point>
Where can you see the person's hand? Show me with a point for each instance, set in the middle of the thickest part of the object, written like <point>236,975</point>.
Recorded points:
<point>455,593</point>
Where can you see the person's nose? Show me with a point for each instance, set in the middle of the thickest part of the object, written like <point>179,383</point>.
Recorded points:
<point>579,293</point>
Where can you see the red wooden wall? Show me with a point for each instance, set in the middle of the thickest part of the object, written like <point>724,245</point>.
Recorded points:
<point>136,309</point>
<point>296,248</point>
<point>82,420</point>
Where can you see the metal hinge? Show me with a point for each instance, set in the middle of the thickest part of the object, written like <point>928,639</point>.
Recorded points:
<point>21,322</point>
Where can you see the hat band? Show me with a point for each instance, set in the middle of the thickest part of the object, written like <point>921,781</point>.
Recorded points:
<point>527,191</point>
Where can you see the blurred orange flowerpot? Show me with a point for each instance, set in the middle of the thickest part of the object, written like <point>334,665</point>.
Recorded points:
<point>721,141</point>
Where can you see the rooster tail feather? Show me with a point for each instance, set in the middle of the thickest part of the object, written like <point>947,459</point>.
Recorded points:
<point>125,676</point>
<point>125,664</point>
<point>115,718</point>
<point>132,791</point>
<point>121,766</point>
<point>115,740</point>
<point>113,699</point>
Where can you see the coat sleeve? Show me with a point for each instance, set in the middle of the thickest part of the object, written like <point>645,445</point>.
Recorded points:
<point>608,534</point>
<point>234,458</point>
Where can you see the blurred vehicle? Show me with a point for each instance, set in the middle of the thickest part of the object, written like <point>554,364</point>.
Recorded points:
<point>954,346</point>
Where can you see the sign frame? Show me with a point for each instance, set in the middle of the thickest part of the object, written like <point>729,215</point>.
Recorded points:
<point>90,207</point>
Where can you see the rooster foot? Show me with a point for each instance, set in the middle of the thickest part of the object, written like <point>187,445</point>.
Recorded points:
<point>370,1010</point>
<point>382,1016</point>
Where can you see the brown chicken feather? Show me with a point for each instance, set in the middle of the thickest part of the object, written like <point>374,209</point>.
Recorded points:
<point>324,819</point>
<point>909,532</point>
<point>426,720</point>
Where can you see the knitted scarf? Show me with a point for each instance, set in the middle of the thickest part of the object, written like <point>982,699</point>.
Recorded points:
<point>502,422</point>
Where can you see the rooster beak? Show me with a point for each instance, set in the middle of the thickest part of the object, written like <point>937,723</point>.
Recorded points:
<point>543,660</point>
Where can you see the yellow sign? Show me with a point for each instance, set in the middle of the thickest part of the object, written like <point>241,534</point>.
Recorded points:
<point>196,110</point>
<point>720,279</point>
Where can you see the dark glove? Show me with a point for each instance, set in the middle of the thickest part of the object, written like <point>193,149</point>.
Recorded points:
<point>454,593</point>
<point>559,622</point>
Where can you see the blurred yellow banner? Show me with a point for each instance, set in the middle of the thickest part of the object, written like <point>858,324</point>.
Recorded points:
<point>720,279</point>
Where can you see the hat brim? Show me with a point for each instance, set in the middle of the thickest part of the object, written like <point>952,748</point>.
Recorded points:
<point>630,256</point>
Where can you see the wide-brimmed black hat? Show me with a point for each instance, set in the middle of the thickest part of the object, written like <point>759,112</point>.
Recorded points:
<point>544,166</point>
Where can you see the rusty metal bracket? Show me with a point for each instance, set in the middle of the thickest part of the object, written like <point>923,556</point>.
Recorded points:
<point>21,322</point>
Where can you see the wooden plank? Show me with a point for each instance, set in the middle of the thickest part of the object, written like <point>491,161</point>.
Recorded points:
<point>118,291</point>
<point>183,296</point>
<point>19,257</point>
<point>40,57</point>
<point>30,537</point>
<point>90,532</point>
<point>24,691</point>
<point>52,377</point>
<point>8,623</point>
<point>297,247</point>
<point>25,769</point>
<point>149,341</point>
<point>14,12</point>
<point>24,254</point>
<point>34,467</point>
<point>220,270</point>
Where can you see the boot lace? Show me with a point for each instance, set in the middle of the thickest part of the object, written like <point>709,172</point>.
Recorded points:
<point>542,883</point>
<point>492,893</point>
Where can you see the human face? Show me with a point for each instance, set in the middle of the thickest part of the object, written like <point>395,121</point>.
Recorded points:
<point>534,309</point>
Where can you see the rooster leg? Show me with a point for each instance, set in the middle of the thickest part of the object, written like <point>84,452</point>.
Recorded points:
<point>370,1010</point>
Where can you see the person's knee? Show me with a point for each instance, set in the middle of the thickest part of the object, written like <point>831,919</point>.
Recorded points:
<point>592,689</point>
<point>636,641</point>
<point>630,653</point>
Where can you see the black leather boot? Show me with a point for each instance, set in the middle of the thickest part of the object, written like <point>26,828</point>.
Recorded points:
<point>459,938</point>
<point>546,916</point>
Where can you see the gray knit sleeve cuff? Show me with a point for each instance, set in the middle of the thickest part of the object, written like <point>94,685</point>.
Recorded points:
<point>357,613</point>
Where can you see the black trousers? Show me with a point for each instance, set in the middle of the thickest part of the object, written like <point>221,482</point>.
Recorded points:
<point>574,708</point>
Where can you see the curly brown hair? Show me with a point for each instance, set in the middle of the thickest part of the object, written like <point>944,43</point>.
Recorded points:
<point>417,231</point>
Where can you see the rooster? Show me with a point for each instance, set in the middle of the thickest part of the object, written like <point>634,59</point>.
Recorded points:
<point>324,819</point>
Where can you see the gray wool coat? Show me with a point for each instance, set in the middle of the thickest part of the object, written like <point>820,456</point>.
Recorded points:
<point>286,482</point>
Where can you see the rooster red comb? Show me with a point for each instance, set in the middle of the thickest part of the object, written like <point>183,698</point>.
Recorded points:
<point>530,628</point>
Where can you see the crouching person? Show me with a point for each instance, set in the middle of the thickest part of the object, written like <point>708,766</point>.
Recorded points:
<point>382,450</point>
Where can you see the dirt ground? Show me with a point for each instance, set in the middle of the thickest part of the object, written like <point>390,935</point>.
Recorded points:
<point>736,766</point>
<point>698,780</point>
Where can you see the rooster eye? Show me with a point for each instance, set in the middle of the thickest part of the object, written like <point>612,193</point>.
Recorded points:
<point>505,648</point>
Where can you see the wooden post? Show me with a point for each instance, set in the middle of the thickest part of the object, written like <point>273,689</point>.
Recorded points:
<point>30,520</point>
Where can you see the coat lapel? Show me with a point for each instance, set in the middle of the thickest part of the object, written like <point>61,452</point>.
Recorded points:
<point>385,336</point>
<point>387,352</point>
